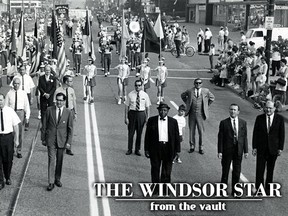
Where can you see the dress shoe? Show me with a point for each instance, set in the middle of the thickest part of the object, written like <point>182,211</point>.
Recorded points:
<point>129,152</point>
<point>137,153</point>
<point>201,151</point>
<point>8,182</point>
<point>50,187</point>
<point>2,185</point>
<point>19,155</point>
<point>69,152</point>
<point>191,150</point>
<point>58,183</point>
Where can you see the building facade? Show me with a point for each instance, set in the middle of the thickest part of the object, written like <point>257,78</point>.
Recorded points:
<point>235,13</point>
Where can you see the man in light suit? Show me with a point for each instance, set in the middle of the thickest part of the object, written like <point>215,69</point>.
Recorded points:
<point>197,100</point>
<point>268,143</point>
<point>232,142</point>
<point>47,87</point>
<point>162,142</point>
<point>56,134</point>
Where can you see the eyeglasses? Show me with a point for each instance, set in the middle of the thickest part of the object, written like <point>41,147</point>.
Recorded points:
<point>198,83</point>
<point>59,100</point>
<point>137,85</point>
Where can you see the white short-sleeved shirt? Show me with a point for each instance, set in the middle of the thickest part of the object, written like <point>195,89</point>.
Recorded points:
<point>10,119</point>
<point>144,100</point>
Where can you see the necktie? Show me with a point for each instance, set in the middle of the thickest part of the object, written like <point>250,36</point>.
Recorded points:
<point>137,102</point>
<point>269,124</point>
<point>15,107</point>
<point>235,131</point>
<point>162,119</point>
<point>59,116</point>
<point>67,98</point>
<point>2,121</point>
<point>23,82</point>
<point>197,93</point>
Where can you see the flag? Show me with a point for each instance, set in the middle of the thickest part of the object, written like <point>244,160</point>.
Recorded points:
<point>86,35</point>
<point>21,46</point>
<point>35,57</point>
<point>35,29</point>
<point>149,39</point>
<point>124,38</point>
<point>53,36</point>
<point>87,38</point>
<point>158,28</point>
<point>61,61</point>
<point>13,51</point>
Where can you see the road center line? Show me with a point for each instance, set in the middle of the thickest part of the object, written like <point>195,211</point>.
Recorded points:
<point>90,163</point>
<point>105,201</point>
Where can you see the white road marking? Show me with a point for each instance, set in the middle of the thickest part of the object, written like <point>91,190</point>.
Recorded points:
<point>185,78</point>
<point>242,177</point>
<point>90,162</point>
<point>105,201</point>
<point>26,170</point>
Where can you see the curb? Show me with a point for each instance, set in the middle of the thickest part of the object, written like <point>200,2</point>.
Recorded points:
<point>236,91</point>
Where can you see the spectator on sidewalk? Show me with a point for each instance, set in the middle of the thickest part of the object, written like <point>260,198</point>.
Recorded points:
<point>200,39</point>
<point>221,39</point>
<point>207,40</point>
<point>211,56</point>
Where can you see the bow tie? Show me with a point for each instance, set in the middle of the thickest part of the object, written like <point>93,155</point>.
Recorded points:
<point>162,119</point>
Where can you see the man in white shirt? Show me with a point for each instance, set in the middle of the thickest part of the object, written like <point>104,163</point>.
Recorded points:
<point>136,114</point>
<point>17,99</point>
<point>9,138</point>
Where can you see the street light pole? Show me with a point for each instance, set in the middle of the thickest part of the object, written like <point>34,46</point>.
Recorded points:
<point>269,36</point>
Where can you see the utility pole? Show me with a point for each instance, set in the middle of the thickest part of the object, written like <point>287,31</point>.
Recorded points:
<point>270,8</point>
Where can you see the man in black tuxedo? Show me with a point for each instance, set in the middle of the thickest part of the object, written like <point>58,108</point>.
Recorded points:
<point>268,142</point>
<point>232,142</point>
<point>47,87</point>
<point>161,144</point>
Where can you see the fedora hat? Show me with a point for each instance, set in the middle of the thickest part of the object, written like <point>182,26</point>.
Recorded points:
<point>163,105</point>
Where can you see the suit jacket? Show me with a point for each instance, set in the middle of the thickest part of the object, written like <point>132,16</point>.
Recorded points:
<point>226,137</point>
<point>47,87</point>
<point>207,98</point>
<point>272,141</point>
<point>152,138</point>
<point>51,132</point>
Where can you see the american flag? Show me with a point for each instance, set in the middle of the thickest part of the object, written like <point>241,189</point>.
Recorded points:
<point>87,38</point>
<point>21,46</point>
<point>36,51</point>
<point>58,46</point>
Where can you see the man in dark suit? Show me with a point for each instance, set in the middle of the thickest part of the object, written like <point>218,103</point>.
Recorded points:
<point>161,144</point>
<point>268,142</point>
<point>197,100</point>
<point>47,87</point>
<point>232,142</point>
<point>56,134</point>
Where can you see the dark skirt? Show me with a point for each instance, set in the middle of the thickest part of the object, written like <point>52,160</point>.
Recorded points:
<point>163,85</point>
<point>91,82</point>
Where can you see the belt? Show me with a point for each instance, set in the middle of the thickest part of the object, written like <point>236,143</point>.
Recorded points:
<point>2,135</point>
<point>19,110</point>
<point>163,143</point>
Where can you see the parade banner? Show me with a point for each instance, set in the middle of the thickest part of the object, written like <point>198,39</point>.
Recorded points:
<point>62,11</point>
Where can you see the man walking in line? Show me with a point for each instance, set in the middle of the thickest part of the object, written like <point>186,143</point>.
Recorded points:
<point>9,137</point>
<point>17,99</point>
<point>56,134</point>
<point>197,100</point>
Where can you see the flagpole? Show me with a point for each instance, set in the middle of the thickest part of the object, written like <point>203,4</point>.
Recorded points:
<point>160,37</point>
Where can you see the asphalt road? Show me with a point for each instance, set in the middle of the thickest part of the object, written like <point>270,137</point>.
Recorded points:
<point>100,143</point>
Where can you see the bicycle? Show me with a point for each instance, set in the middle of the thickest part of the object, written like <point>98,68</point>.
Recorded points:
<point>189,51</point>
